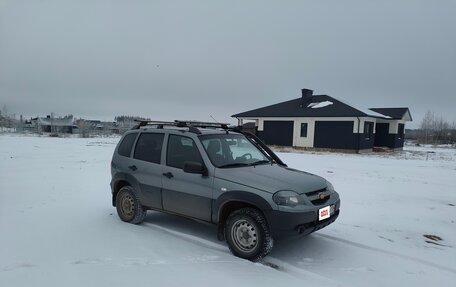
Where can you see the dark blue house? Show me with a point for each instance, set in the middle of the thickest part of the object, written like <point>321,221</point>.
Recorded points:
<point>321,121</point>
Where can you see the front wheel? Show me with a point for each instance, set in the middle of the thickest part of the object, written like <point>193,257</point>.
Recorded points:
<point>247,234</point>
<point>129,207</point>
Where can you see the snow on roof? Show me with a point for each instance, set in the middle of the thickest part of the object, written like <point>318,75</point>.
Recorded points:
<point>372,113</point>
<point>394,113</point>
<point>319,105</point>
<point>366,111</point>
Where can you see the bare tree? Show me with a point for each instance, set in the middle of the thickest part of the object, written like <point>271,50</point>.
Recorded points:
<point>5,110</point>
<point>435,130</point>
<point>427,126</point>
<point>83,128</point>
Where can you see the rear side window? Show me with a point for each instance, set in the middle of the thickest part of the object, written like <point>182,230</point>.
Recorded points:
<point>149,147</point>
<point>126,145</point>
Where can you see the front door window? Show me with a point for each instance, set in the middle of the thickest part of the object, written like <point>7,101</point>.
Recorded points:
<point>180,150</point>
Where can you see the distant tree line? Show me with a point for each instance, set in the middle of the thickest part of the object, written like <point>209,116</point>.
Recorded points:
<point>125,123</point>
<point>7,121</point>
<point>60,125</point>
<point>436,130</point>
<point>123,119</point>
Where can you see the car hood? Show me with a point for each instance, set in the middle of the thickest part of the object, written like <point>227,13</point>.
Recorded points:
<point>272,178</point>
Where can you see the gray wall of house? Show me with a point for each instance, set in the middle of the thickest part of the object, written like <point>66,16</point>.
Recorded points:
<point>57,129</point>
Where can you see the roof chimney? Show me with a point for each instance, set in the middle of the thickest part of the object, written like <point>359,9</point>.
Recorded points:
<point>306,97</point>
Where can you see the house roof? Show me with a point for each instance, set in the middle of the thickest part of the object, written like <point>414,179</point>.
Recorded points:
<point>394,113</point>
<point>60,122</point>
<point>318,106</point>
<point>323,106</point>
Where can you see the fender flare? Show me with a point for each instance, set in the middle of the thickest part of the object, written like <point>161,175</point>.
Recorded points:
<point>237,196</point>
<point>131,180</point>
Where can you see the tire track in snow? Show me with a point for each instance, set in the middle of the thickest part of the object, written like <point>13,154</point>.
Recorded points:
<point>300,273</point>
<point>379,250</point>
<point>194,239</point>
<point>283,266</point>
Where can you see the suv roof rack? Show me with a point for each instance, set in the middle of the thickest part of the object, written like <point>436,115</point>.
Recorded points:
<point>202,124</point>
<point>191,125</point>
<point>143,123</point>
<point>194,125</point>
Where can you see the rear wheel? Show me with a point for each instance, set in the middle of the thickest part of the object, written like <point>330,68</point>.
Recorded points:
<point>129,207</point>
<point>247,234</point>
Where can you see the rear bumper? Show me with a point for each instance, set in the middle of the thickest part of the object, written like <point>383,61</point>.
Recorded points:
<point>289,224</point>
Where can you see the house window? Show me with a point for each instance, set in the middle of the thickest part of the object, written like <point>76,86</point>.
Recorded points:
<point>400,131</point>
<point>304,130</point>
<point>368,130</point>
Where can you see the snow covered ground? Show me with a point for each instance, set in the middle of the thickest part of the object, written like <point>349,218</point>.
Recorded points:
<point>58,228</point>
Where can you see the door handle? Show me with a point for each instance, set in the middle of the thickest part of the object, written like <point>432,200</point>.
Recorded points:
<point>132,167</point>
<point>168,174</point>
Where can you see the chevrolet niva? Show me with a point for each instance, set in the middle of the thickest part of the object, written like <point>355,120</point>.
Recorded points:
<point>218,174</point>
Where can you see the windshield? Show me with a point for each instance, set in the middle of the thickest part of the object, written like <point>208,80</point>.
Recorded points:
<point>232,150</point>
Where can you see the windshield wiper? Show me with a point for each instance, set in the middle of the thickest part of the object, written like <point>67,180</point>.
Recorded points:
<point>260,162</point>
<point>236,164</point>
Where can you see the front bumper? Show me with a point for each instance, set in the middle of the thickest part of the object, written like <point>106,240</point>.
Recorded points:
<point>288,224</point>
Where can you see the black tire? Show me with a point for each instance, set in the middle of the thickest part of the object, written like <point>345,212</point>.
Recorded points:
<point>129,207</point>
<point>247,234</point>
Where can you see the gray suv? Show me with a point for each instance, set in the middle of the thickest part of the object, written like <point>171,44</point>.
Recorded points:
<point>214,173</point>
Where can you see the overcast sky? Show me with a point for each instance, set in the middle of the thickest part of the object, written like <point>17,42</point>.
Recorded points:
<point>191,59</point>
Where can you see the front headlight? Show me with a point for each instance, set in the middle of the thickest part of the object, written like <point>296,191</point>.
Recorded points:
<point>330,187</point>
<point>287,198</point>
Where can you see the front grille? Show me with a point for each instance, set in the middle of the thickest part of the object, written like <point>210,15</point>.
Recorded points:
<point>314,196</point>
<point>319,201</point>
<point>316,192</point>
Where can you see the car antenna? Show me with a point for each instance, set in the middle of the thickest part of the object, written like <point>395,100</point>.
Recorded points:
<point>214,119</point>
<point>227,132</point>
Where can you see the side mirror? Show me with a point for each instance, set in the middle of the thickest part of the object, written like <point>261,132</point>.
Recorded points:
<point>195,167</point>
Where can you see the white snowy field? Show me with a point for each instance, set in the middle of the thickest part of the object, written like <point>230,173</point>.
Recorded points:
<point>58,228</point>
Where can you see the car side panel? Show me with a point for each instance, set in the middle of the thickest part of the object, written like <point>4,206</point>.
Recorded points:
<point>149,176</point>
<point>187,194</point>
